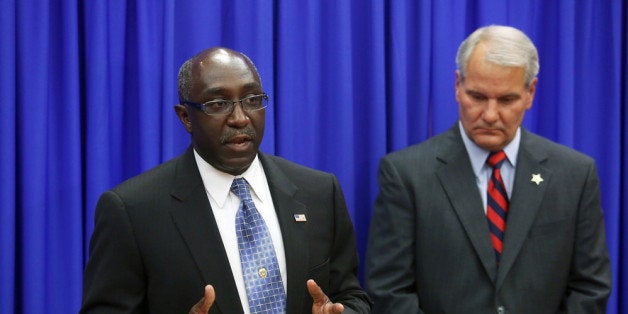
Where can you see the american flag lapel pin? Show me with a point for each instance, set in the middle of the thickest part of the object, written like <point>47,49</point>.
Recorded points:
<point>300,218</point>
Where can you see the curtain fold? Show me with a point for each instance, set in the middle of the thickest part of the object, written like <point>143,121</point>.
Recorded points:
<point>89,88</point>
<point>8,145</point>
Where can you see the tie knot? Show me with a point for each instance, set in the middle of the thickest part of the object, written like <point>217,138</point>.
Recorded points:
<point>495,159</point>
<point>241,188</point>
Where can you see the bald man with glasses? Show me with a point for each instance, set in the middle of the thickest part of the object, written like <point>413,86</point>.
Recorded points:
<point>224,227</point>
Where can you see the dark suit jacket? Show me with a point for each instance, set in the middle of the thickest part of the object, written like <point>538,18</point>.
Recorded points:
<point>429,249</point>
<point>156,243</point>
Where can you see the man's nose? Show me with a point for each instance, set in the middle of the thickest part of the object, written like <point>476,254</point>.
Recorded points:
<point>491,112</point>
<point>238,115</point>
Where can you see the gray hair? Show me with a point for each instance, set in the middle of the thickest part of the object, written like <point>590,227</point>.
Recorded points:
<point>184,81</point>
<point>506,46</point>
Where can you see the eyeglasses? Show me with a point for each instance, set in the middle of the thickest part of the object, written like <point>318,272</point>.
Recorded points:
<point>223,107</point>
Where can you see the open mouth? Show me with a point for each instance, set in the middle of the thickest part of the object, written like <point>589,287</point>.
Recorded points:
<point>239,142</point>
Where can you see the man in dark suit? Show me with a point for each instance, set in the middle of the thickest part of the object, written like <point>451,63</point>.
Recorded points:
<point>520,233</point>
<point>171,236</point>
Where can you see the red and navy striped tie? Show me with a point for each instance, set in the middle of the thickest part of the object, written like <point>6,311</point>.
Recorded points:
<point>497,202</point>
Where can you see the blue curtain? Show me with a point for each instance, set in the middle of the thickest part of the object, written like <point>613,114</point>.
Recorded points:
<point>88,89</point>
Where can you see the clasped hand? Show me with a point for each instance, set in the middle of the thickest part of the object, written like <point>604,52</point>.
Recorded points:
<point>321,303</point>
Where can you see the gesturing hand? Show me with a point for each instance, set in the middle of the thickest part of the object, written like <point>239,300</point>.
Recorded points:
<point>322,304</point>
<point>202,307</point>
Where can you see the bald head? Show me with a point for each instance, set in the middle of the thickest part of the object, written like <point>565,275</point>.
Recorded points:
<point>216,56</point>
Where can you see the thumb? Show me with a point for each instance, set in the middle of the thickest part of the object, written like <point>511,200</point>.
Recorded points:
<point>320,301</point>
<point>205,303</point>
<point>318,296</point>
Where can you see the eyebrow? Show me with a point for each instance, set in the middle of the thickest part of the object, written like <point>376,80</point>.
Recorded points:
<point>475,92</point>
<point>511,95</point>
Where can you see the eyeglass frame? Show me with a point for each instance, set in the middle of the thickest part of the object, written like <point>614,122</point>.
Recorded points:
<point>230,104</point>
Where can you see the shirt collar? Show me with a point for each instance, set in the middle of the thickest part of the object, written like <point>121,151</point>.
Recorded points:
<point>218,184</point>
<point>478,155</point>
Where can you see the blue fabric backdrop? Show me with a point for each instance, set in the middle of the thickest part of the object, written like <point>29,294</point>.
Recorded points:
<point>88,89</point>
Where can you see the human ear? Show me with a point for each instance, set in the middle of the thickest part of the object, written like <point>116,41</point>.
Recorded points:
<point>184,117</point>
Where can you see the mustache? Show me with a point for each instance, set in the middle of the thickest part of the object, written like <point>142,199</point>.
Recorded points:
<point>231,133</point>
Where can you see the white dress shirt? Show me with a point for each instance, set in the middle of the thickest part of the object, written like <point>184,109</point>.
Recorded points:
<point>225,206</point>
<point>483,171</point>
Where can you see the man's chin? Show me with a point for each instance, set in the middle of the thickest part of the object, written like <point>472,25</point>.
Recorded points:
<point>237,165</point>
<point>490,143</point>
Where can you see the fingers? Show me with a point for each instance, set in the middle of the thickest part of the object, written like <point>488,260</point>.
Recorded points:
<point>210,296</point>
<point>203,306</point>
<point>337,308</point>
<point>321,303</point>
<point>317,293</point>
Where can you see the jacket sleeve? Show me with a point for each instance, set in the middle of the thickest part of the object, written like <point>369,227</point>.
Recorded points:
<point>390,277</point>
<point>114,275</point>
<point>589,283</point>
<point>345,287</point>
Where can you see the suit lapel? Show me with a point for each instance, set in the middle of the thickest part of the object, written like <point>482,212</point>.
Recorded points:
<point>294,233</point>
<point>194,218</point>
<point>457,178</point>
<point>524,203</point>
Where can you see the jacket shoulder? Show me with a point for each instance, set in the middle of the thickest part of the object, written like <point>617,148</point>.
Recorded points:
<point>427,151</point>
<point>538,146</point>
<point>153,179</point>
<point>292,168</point>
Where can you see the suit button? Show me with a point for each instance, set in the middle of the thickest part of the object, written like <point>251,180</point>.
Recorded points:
<point>501,309</point>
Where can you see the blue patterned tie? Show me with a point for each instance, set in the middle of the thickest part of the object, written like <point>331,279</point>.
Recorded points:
<point>262,278</point>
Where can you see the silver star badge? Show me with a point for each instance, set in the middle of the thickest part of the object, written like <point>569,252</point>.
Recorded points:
<point>536,178</point>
